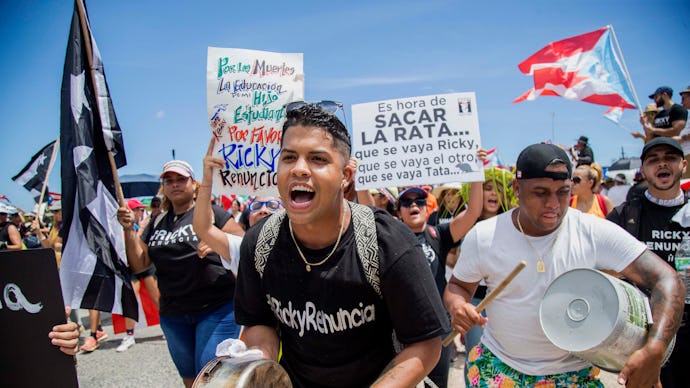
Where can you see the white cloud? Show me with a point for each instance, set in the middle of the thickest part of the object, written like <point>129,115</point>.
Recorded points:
<point>160,114</point>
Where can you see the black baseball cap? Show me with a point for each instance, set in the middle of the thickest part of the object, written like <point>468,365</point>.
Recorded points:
<point>662,89</point>
<point>533,161</point>
<point>657,141</point>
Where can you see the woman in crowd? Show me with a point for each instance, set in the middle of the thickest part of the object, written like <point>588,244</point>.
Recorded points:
<point>386,198</point>
<point>585,182</point>
<point>450,204</point>
<point>196,293</point>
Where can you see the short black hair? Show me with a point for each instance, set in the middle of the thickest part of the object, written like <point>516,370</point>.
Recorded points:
<point>310,115</point>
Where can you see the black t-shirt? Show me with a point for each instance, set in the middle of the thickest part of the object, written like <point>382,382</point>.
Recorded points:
<point>335,330</point>
<point>666,117</point>
<point>443,216</point>
<point>4,234</point>
<point>437,260</point>
<point>188,284</point>
<point>656,229</point>
<point>585,156</point>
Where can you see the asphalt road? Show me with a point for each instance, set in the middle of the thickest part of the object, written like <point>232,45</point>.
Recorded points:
<point>148,363</point>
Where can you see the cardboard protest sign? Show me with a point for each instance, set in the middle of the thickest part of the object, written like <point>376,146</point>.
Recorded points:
<point>246,94</point>
<point>417,140</point>
<point>30,305</point>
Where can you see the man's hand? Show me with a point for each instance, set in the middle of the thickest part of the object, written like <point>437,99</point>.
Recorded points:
<point>464,316</point>
<point>638,135</point>
<point>66,336</point>
<point>643,367</point>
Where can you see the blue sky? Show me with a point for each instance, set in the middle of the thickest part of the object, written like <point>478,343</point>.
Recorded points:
<point>356,51</point>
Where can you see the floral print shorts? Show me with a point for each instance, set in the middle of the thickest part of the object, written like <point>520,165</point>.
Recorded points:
<point>485,370</point>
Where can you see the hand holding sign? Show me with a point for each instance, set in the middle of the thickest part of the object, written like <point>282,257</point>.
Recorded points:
<point>66,336</point>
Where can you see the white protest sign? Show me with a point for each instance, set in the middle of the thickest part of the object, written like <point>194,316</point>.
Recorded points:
<point>246,94</point>
<point>417,140</point>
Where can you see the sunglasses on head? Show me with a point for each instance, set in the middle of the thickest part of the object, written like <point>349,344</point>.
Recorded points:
<point>328,106</point>
<point>272,205</point>
<point>407,202</point>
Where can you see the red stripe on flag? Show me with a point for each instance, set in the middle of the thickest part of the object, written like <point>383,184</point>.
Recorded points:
<point>148,317</point>
<point>555,76</point>
<point>150,309</point>
<point>614,100</point>
<point>524,96</point>
<point>118,323</point>
<point>565,48</point>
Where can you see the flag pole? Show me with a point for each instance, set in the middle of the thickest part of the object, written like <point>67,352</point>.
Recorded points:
<point>625,68</point>
<point>87,38</point>
<point>50,167</point>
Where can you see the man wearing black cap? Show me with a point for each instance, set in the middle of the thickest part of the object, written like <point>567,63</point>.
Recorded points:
<point>670,121</point>
<point>552,239</point>
<point>581,152</point>
<point>656,219</point>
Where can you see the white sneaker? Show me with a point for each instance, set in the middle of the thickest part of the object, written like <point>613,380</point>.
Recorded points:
<point>126,343</point>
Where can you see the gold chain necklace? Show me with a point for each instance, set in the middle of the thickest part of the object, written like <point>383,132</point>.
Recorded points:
<point>301,255</point>
<point>540,258</point>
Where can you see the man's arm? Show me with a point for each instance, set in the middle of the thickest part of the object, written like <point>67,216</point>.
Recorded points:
<point>15,242</point>
<point>457,299</point>
<point>410,366</point>
<point>668,301</point>
<point>674,130</point>
<point>264,338</point>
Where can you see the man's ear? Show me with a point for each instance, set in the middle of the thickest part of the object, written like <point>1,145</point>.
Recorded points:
<point>349,172</point>
<point>516,188</point>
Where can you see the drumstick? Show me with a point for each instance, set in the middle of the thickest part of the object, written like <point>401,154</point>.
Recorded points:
<point>481,306</point>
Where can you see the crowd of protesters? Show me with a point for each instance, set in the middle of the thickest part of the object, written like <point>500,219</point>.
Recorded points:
<point>435,247</point>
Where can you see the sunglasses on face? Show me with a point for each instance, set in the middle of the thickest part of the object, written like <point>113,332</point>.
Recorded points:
<point>407,202</point>
<point>576,179</point>
<point>273,205</point>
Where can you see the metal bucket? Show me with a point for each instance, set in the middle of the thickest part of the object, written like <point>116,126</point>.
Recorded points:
<point>596,317</point>
<point>226,372</point>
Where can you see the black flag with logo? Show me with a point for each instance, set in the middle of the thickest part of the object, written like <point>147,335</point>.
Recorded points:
<point>93,271</point>
<point>34,175</point>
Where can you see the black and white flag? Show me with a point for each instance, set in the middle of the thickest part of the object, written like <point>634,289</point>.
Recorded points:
<point>34,175</point>
<point>93,271</point>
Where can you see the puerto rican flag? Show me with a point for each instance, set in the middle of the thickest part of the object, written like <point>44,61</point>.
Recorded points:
<point>584,68</point>
<point>492,159</point>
